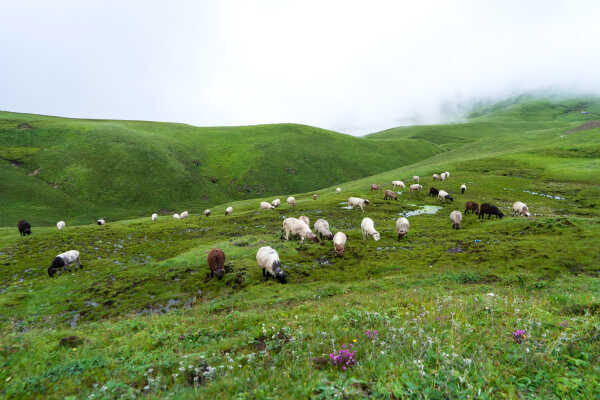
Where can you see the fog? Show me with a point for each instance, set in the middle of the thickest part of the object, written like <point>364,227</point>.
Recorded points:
<point>354,67</point>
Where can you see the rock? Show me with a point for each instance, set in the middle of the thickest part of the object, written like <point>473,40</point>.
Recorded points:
<point>70,341</point>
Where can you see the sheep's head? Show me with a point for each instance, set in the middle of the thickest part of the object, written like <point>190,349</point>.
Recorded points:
<point>279,273</point>
<point>219,272</point>
<point>314,238</point>
<point>376,236</point>
<point>448,197</point>
<point>500,214</point>
<point>51,271</point>
<point>339,249</point>
<point>367,202</point>
<point>329,236</point>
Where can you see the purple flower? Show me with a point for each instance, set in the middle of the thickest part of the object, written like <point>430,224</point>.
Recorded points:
<point>343,358</point>
<point>372,334</point>
<point>519,335</point>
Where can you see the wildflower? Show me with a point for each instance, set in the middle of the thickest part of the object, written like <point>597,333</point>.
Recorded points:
<point>147,387</point>
<point>372,334</point>
<point>182,369</point>
<point>519,335</point>
<point>343,358</point>
<point>355,340</point>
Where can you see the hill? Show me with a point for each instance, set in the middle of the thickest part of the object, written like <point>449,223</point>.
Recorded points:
<point>80,170</point>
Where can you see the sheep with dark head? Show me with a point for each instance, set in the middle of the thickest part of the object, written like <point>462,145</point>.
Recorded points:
<point>268,260</point>
<point>24,228</point>
<point>490,210</point>
<point>63,261</point>
<point>389,195</point>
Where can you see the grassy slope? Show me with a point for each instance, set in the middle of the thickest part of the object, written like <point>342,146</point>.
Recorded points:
<point>441,335</point>
<point>118,169</point>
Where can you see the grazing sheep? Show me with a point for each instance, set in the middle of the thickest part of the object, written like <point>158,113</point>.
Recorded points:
<point>415,179</point>
<point>463,188</point>
<point>101,221</point>
<point>402,226</point>
<point>228,210</point>
<point>216,262</point>
<point>396,184</point>
<point>322,228</point>
<point>375,187</point>
<point>433,192</point>
<point>338,190</point>
<point>24,228</point>
<point>490,210</point>
<point>415,187</point>
<point>154,217</point>
<point>268,260</point>
<point>276,202</point>
<point>63,261</point>
<point>291,201</point>
<point>456,217</point>
<point>436,177</point>
<point>207,213</point>
<point>305,219</point>
<point>389,195</point>
<point>185,214</point>
<point>520,208</point>
<point>176,216</point>
<point>60,225</point>
<point>443,196</point>
<point>357,201</point>
<point>472,207</point>
<point>297,227</point>
<point>368,229</point>
<point>339,243</point>
<point>266,206</point>
<point>447,174</point>
<point>315,196</point>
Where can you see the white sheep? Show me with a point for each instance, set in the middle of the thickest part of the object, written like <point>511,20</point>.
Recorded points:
<point>176,216</point>
<point>416,178</point>
<point>444,175</point>
<point>436,177</point>
<point>520,208</point>
<point>154,217</point>
<point>101,221</point>
<point>60,225</point>
<point>315,196</point>
<point>402,226</point>
<point>398,184</point>
<point>456,217</point>
<point>339,243</point>
<point>63,261</point>
<point>184,214</point>
<point>268,260</point>
<point>463,188</point>
<point>228,210</point>
<point>276,202</point>
<point>291,201</point>
<point>338,190</point>
<point>266,206</point>
<point>443,195</point>
<point>304,219</point>
<point>207,212</point>
<point>357,201</point>
<point>296,227</point>
<point>368,229</point>
<point>415,187</point>
<point>322,228</point>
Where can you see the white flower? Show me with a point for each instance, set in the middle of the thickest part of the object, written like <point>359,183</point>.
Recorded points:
<point>491,294</point>
<point>147,387</point>
<point>182,369</point>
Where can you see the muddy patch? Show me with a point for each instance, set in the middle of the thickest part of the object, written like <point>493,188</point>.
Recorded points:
<point>422,210</point>
<point>550,196</point>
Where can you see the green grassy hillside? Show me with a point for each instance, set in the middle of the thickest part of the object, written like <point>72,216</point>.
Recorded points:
<point>79,170</point>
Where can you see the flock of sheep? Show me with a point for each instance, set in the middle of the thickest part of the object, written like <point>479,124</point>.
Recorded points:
<point>299,228</point>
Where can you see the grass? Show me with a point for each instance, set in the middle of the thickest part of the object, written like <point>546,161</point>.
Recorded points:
<point>143,319</point>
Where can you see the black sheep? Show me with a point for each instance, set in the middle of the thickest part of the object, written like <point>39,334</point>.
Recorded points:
<point>24,228</point>
<point>490,210</point>
<point>433,192</point>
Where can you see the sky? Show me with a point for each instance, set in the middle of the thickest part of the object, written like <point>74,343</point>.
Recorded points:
<point>350,66</point>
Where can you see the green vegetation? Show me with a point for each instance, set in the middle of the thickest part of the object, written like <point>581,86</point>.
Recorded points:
<point>142,318</point>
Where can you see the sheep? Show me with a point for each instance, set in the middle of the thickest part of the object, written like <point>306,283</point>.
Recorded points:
<point>339,243</point>
<point>297,227</point>
<point>472,207</point>
<point>433,192</point>
<point>266,206</point>
<point>228,210</point>
<point>60,225</point>
<point>24,227</point>
<point>490,210</point>
<point>456,217</point>
<point>268,260</point>
<point>402,226</point>
<point>176,216</point>
<point>443,196</point>
<point>184,214</point>
<point>207,212</point>
<point>447,174</point>
<point>154,217</point>
<point>415,187</point>
<point>436,177</point>
<point>375,187</point>
<point>463,188</point>
<point>315,196</point>
<point>291,201</point>
<point>216,262</point>
<point>322,227</point>
<point>389,195</point>
<point>396,184</point>
<point>368,229</point>
<point>357,201</point>
<point>276,202</point>
<point>63,261</point>
<point>520,208</point>
<point>101,221</point>
<point>416,179</point>
<point>443,176</point>
<point>304,219</point>
<point>338,190</point>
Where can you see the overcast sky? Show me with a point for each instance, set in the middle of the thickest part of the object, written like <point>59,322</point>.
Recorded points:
<point>355,67</point>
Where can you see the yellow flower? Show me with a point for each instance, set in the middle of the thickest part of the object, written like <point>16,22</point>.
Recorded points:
<point>355,340</point>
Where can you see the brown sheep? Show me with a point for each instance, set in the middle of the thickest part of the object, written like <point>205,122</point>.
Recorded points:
<point>389,195</point>
<point>472,207</point>
<point>375,187</point>
<point>216,262</point>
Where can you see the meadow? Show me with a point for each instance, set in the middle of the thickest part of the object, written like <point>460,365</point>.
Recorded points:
<point>502,308</point>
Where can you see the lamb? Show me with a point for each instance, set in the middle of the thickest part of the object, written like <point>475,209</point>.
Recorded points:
<point>291,201</point>
<point>445,175</point>
<point>472,207</point>
<point>276,203</point>
<point>24,227</point>
<point>389,195</point>
<point>154,217</point>
<point>375,187</point>
<point>315,196</point>
<point>433,192</point>
<point>297,227</point>
<point>415,179</point>
<point>338,190</point>
<point>443,195</point>
<point>339,243</point>
<point>60,225</point>
<point>463,188</point>
<point>228,210</point>
<point>415,187</point>
<point>398,184</point>
<point>456,217</point>
<point>266,206</point>
<point>490,210</point>
<point>402,226</point>
<point>368,229</point>
<point>63,261</point>
<point>184,214</point>
<point>176,216</point>
<point>268,260</point>
<point>436,177</point>
<point>520,208</point>
<point>207,212</point>
<point>216,262</point>
<point>357,201</point>
<point>101,221</point>
<point>322,228</point>
<point>305,219</point>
